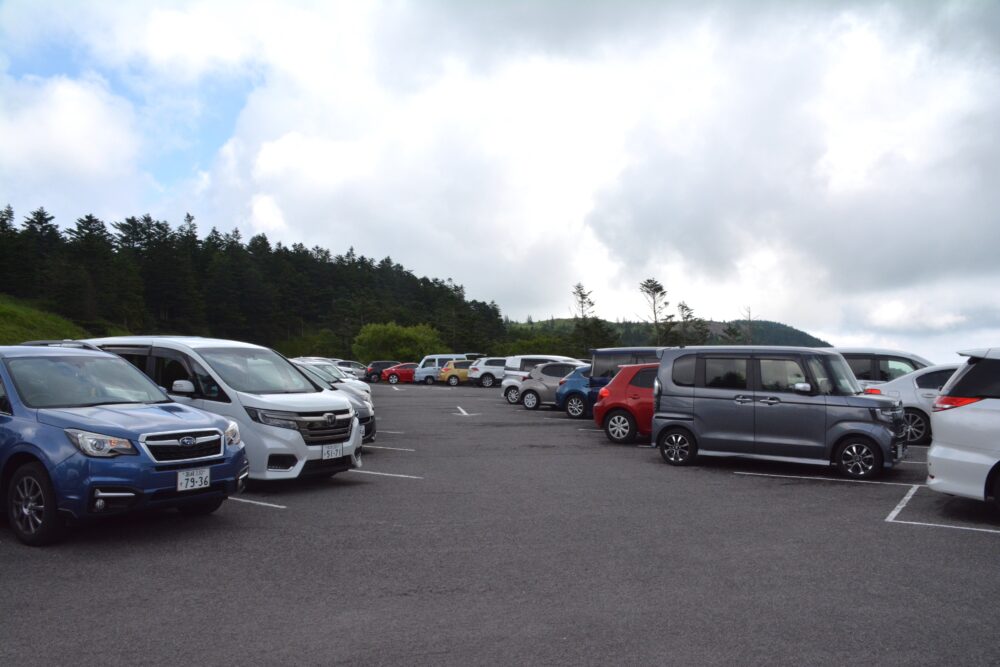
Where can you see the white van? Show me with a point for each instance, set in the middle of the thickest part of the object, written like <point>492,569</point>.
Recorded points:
<point>427,370</point>
<point>290,426</point>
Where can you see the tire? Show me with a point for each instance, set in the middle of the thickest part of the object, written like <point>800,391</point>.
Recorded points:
<point>620,427</point>
<point>374,378</point>
<point>487,381</point>
<point>918,427</point>
<point>203,508</point>
<point>530,400</point>
<point>576,408</point>
<point>393,379</point>
<point>677,446</point>
<point>32,510</point>
<point>858,458</point>
<point>513,395</point>
<point>453,380</point>
<point>428,380</point>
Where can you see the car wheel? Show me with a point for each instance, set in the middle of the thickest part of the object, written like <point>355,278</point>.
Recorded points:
<point>575,408</point>
<point>428,380</point>
<point>486,381</point>
<point>373,378</point>
<point>677,447</point>
<point>202,508</point>
<point>530,400</point>
<point>619,426</point>
<point>858,458</point>
<point>513,395</point>
<point>393,379</point>
<point>918,428</point>
<point>453,380</point>
<point>31,506</point>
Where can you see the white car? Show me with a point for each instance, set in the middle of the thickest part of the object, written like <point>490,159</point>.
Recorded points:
<point>873,366</point>
<point>917,391</point>
<point>487,370</point>
<point>349,380</point>
<point>290,426</point>
<point>964,458</point>
<point>516,368</point>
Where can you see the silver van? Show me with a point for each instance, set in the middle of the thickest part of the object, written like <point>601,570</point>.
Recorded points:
<point>794,404</point>
<point>427,371</point>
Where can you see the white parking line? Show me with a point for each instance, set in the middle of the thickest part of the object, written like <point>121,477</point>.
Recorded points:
<point>383,474</point>
<point>591,430</point>
<point>944,525</point>
<point>463,413</point>
<point>562,419</point>
<point>392,432</point>
<point>397,449</point>
<point>912,463</point>
<point>395,388</point>
<point>825,479</point>
<point>257,502</point>
<point>902,503</point>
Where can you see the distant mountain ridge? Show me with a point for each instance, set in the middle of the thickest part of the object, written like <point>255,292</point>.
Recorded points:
<point>765,332</point>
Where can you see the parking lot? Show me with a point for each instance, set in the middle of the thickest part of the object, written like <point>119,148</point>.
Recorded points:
<point>479,532</point>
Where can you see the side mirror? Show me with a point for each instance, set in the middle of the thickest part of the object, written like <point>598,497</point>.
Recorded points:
<point>802,387</point>
<point>182,387</point>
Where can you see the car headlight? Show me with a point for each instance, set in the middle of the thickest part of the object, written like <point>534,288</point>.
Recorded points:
<point>271,418</point>
<point>102,446</point>
<point>233,434</point>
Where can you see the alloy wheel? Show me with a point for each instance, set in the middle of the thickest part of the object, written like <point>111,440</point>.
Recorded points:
<point>513,394</point>
<point>858,459</point>
<point>28,506</point>
<point>487,381</point>
<point>574,407</point>
<point>530,400</point>
<point>676,448</point>
<point>618,427</point>
<point>393,379</point>
<point>916,427</point>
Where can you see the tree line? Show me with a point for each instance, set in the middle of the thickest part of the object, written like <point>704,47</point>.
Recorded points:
<point>143,275</point>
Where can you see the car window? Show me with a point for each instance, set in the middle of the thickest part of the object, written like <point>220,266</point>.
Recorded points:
<point>407,367</point>
<point>780,374</point>
<point>495,362</point>
<point>556,370</point>
<point>683,370</point>
<point>462,364</point>
<point>726,373</point>
<point>646,357</point>
<point>824,385</point>
<point>5,407</point>
<point>934,380</point>
<point>644,378</point>
<point>606,365</point>
<point>980,378</point>
<point>860,366</point>
<point>167,369</point>
<point>893,367</point>
<point>427,363</point>
<point>530,362</point>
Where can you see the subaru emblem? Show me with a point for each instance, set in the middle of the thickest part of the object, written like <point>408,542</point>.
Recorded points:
<point>187,441</point>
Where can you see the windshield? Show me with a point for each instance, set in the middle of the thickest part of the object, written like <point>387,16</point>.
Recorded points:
<point>79,381</point>
<point>257,371</point>
<point>834,376</point>
<point>316,374</point>
<point>329,369</point>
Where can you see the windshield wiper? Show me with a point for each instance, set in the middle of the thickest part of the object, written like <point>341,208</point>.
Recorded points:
<point>93,405</point>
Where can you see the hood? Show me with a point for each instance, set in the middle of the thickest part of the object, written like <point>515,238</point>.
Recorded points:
<point>872,401</point>
<point>130,421</point>
<point>361,404</point>
<point>320,401</point>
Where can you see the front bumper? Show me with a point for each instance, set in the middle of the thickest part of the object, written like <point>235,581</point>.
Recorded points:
<point>281,453</point>
<point>129,483</point>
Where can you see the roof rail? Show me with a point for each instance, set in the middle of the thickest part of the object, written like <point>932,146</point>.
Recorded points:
<point>66,342</point>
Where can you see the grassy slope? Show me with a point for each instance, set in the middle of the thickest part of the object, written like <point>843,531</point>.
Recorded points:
<point>20,321</point>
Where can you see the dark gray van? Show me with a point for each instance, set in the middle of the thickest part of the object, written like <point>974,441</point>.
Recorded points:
<point>776,403</point>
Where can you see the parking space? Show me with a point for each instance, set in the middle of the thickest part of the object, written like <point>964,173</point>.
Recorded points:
<point>482,532</point>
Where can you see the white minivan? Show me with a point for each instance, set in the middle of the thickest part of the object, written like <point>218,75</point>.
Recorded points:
<point>964,458</point>
<point>427,371</point>
<point>290,426</point>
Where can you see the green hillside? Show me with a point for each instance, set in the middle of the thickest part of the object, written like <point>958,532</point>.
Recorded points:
<point>21,321</point>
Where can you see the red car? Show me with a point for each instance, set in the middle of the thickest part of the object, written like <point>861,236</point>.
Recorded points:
<point>624,407</point>
<point>399,373</point>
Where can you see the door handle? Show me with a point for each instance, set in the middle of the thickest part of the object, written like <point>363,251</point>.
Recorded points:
<point>929,394</point>
<point>770,400</point>
<point>743,399</point>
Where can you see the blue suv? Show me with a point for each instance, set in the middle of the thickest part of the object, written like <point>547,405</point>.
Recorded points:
<point>575,395</point>
<point>83,434</point>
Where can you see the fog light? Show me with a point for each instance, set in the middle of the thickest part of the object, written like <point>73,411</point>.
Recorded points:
<point>99,505</point>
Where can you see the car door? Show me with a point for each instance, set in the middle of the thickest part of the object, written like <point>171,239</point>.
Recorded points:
<point>550,377</point>
<point>169,365</point>
<point>788,423</point>
<point>639,398</point>
<point>723,403</point>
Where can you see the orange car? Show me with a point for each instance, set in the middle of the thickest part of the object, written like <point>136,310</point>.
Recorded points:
<point>455,372</point>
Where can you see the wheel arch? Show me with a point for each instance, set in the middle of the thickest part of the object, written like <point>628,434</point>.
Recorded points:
<point>13,462</point>
<point>993,475</point>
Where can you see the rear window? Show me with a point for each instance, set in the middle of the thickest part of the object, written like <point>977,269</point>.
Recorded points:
<point>494,362</point>
<point>606,365</point>
<point>980,378</point>
<point>890,368</point>
<point>462,364</point>
<point>860,366</point>
<point>934,380</point>
<point>683,372</point>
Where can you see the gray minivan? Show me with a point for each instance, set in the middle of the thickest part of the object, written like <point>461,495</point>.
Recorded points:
<point>775,403</point>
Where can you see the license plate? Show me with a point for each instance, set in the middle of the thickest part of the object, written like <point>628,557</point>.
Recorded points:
<point>196,478</point>
<point>333,451</point>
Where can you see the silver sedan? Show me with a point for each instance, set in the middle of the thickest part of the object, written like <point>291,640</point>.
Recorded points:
<point>917,391</point>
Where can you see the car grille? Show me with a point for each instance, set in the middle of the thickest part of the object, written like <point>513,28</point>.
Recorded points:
<point>168,447</point>
<point>324,428</point>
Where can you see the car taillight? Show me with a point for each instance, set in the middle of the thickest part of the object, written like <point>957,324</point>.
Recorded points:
<point>950,402</point>
<point>604,392</point>
<point>873,390</point>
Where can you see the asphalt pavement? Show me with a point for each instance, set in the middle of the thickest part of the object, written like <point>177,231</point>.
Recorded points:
<point>482,533</point>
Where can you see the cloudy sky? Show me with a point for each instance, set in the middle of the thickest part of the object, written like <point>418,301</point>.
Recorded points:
<point>833,165</point>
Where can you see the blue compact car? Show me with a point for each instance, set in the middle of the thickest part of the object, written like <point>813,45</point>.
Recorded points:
<point>575,395</point>
<point>83,434</point>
